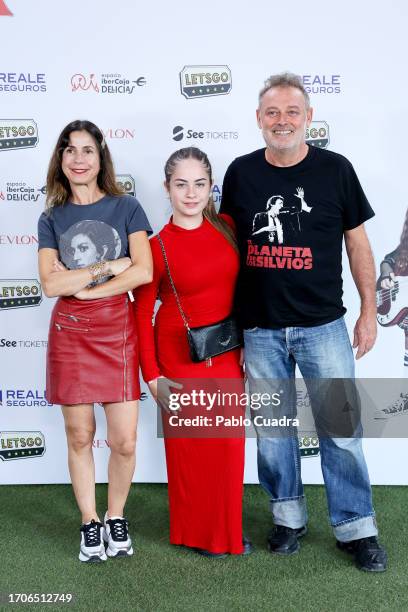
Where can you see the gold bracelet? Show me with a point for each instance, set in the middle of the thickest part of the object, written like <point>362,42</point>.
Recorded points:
<point>98,270</point>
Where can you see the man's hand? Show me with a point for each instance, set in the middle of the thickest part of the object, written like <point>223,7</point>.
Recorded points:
<point>365,334</point>
<point>363,271</point>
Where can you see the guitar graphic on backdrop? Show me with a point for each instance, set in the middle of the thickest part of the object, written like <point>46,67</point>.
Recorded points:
<point>392,304</point>
<point>4,10</point>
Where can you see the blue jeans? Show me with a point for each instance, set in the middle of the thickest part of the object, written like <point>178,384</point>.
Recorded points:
<point>320,352</point>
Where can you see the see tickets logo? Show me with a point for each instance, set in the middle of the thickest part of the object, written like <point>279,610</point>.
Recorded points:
<point>4,9</point>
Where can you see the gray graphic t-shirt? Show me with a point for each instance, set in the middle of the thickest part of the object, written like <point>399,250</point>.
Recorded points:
<point>86,234</point>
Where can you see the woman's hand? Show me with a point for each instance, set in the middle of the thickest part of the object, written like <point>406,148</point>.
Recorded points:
<point>117,266</point>
<point>58,266</point>
<point>161,391</point>
<point>84,294</point>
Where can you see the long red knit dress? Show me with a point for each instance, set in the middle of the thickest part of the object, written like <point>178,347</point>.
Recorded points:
<point>205,475</point>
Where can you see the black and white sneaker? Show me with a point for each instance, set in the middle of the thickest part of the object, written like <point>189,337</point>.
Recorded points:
<point>116,535</point>
<point>92,547</point>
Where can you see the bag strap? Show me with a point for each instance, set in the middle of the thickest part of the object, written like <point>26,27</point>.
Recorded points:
<point>183,316</point>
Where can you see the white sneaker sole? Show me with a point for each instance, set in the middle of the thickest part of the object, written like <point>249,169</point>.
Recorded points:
<point>98,557</point>
<point>119,552</point>
<point>115,551</point>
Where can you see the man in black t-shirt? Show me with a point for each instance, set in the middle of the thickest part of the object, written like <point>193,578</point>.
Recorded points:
<point>289,300</point>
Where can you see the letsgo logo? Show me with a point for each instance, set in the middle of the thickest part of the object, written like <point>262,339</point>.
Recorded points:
<point>18,134</point>
<point>20,293</point>
<point>307,436</point>
<point>179,133</point>
<point>317,134</point>
<point>106,83</point>
<point>127,183</point>
<point>4,11</point>
<point>308,444</point>
<point>322,83</point>
<point>22,81</point>
<point>29,398</point>
<point>20,192</point>
<point>21,445</point>
<point>204,81</point>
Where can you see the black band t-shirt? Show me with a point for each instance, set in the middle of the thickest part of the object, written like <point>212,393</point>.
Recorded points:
<point>290,223</point>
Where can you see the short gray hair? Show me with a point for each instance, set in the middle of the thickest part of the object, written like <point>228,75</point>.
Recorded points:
<point>285,79</point>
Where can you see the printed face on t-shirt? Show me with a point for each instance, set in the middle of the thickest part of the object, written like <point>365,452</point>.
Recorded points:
<point>282,219</point>
<point>89,242</point>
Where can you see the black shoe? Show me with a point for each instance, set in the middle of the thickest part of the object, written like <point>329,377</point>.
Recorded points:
<point>247,544</point>
<point>368,554</point>
<point>284,540</point>
<point>92,549</point>
<point>210,555</point>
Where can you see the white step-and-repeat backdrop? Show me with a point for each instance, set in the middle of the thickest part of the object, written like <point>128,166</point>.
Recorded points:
<point>155,77</point>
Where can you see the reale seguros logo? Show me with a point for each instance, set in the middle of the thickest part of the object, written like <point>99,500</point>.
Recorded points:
<point>322,83</point>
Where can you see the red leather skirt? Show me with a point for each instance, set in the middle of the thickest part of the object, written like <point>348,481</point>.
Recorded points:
<point>92,352</point>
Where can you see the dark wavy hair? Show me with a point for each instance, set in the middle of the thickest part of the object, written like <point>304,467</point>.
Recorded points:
<point>58,187</point>
<point>209,211</point>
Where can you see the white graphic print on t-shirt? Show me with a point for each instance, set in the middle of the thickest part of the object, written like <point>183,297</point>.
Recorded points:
<point>89,242</point>
<point>270,221</point>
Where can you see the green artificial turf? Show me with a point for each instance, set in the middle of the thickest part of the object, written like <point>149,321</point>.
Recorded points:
<point>40,541</point>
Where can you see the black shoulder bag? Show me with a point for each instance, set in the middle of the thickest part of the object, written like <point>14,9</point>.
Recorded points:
<point>209,340</point>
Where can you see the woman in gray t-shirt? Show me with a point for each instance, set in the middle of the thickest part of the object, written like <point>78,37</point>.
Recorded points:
<point>93,251</point>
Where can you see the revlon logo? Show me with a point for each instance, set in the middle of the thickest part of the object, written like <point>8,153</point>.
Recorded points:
<point>118,133</point>
<point>18,239</point>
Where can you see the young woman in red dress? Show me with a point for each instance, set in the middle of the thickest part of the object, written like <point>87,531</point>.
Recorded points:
<point>205,475</point>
